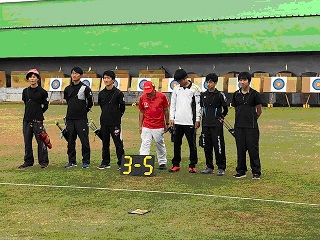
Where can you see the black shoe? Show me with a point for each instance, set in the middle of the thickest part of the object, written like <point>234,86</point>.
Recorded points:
<point>162,167</point>
<point>25,165</point>
<point>70,165</point>
<point>256,176</point>
<point>239,175</point>
<point>103,166</point>
<point>44,165</point>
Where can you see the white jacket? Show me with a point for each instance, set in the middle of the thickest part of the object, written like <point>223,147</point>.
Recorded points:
<point>181,105</point>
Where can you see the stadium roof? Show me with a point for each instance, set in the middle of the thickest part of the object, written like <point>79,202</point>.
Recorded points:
<point>138,28</point>
<point>102,12</point>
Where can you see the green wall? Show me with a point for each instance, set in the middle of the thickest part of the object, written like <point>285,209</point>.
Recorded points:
<point>270,35</point>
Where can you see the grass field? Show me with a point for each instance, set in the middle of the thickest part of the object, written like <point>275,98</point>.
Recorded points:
<point>59,203</point>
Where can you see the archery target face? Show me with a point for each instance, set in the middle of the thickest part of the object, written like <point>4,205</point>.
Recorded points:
<point>55,84</point>
<point>315,84</point>
<point>279,85</point>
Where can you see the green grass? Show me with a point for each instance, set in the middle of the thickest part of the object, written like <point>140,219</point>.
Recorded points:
<point>289,151</point>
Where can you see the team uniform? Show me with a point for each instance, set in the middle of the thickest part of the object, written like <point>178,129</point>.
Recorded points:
<point>185,111</point>
<point>79,100</point>
<point>247,130</point>
<point>112,106</point>
<point>35,100</point>
<point>153,124</point>
<point>212,104</point>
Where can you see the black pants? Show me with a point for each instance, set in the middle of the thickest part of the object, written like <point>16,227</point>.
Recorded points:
<point>31,129</point>
<point>247,139</point>
<point>214,140</point>
<point>190,133</point>
<point>115,132</point>
<point>79,128</point>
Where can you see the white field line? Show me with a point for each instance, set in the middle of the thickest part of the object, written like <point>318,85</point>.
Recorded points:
<point>164,192</point>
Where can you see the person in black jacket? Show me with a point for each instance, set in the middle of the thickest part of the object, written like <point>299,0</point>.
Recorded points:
<point>35,100</point>
<point>247,103</point>
<point>112,104</point>
<point>79,100</point>
<point>214,109</point>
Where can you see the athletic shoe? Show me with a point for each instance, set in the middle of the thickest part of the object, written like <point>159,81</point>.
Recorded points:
<point>174,169</point>
<point>255,176</point>
<point>69,165</point>
<point>238,175</point>
<point>207,171</point>
<point>85,165</point>
<point>221,172</point>
<point>44,165</point>
<point>25,165</point>
<point>162,167</point>
<point>103,166</point>
<point>119,167</point>
<point>192,170</point>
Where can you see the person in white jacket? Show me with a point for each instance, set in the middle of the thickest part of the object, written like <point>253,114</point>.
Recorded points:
<point>185,118</point>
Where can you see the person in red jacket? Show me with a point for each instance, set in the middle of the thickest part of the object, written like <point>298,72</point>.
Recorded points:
<point>153,122</point>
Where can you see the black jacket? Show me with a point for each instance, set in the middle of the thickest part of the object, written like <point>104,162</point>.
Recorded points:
<point>79,99</point>
<point>112,106</point>
<point>36,103</point>
<point>212,104</point>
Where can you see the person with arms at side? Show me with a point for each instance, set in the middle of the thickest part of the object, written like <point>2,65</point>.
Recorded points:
<point>214,109</point>
<point>36,103</point>
<point>112,104</point>
<point>247,103</point>
<point>79,100</point>
<point>185,118</point>
<point>153,122</point>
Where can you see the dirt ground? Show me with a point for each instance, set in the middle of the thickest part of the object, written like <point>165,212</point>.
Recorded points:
<point>11,140</point>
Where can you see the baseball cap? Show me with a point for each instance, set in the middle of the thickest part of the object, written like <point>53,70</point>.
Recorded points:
<point>33,71</point>
<point>148,87</point>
